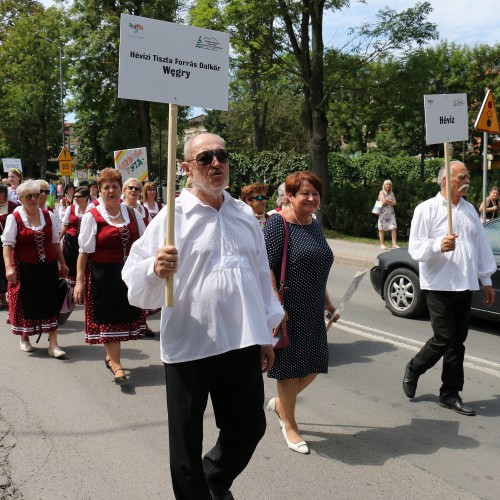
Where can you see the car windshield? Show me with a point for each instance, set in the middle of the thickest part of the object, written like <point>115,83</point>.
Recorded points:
<point>493,233</point>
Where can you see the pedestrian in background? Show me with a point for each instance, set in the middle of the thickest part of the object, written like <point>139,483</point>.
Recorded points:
<point>387,217</point>
<point>149,198</point>
<point>15,178</point>
<point>450,266</point>
<point>492,204</point>
<point>32,252</point>
<point>216,338</point>
<point>6,208</point>
<point>306,298</point>
<point>132,189</point>
<point>281,200</point>
<point>255,195</point>
<point>107,232</point>
<point>71,230</point>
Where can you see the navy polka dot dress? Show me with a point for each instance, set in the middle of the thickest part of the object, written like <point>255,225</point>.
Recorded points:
<point>308,264</point>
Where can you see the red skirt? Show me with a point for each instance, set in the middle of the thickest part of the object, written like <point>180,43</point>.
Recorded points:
<point>21,325</point>
<point>101,333</point>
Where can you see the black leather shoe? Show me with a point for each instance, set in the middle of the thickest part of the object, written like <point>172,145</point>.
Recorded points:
<point>455,403</point>
<point>409,382</point>
<point>225,496</point>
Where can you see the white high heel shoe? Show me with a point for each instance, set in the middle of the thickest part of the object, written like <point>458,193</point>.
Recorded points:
<point>271,406</point>
<point>300,447</point>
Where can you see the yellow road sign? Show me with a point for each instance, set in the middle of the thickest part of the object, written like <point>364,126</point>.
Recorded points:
<point>487,120</point>
<point>64,155</point>
<point>65,167</point>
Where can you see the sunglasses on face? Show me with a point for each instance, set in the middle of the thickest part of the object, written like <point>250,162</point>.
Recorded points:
<point>259,197</point>
<point>205,158</point>
<point>32,196</point>
<point>133,188</point>
<point>45,191</point>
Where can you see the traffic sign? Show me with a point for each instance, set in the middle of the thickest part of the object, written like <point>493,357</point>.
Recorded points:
<point>64,155</point>
<point>65,167</point>
<point>487,120</point>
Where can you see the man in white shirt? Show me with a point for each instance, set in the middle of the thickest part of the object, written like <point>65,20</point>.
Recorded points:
<point>216,338</point>
<point>449,268</point>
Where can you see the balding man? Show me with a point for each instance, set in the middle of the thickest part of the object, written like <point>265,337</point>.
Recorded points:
<point>216,339</point>
<point>449,268</point>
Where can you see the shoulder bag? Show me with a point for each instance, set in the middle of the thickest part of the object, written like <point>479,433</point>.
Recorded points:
<point>377,207</point>
<point>283,340</point>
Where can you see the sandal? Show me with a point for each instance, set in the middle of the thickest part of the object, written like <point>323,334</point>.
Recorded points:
<point>106,362</point>
<point>120,380</point>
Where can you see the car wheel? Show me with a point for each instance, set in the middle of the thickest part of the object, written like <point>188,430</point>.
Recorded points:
<point>402,294</point>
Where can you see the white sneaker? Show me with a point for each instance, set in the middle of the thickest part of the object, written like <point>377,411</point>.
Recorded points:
<point>57,352</point>
<point>26,346</point>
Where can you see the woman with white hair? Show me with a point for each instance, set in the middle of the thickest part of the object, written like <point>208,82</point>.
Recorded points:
<point>387,217</point>
<point>32,252</point>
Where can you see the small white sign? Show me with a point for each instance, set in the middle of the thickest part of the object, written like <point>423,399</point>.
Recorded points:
<point>446,118</point>
<point>132,163</point>
<point>9,163</point>
<point>173,63</point>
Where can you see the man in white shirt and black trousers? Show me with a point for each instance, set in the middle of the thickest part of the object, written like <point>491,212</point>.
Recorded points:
<point>450,266</point>
<point>216,339</point>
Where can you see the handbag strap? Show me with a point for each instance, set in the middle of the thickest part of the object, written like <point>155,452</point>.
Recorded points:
<point>283,261</point>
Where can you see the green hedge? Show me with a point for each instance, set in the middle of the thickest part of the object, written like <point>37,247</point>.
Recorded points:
<point>355,184</point>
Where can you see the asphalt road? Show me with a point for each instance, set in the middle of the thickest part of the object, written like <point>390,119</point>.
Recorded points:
<point>68,432</point>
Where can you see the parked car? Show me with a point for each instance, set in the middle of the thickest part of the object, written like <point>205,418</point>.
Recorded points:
<point>395,278</point>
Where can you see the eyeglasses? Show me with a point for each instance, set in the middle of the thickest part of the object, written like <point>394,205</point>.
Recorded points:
<point>205,158</point>
<point>32,196</point>
<point>461,177</point>
<point>45,191</point>
<point>259,197</point>
<point>151,189</point>
<point>133,188</point>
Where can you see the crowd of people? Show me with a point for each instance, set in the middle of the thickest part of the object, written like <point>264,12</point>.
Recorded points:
<point>243,278</point>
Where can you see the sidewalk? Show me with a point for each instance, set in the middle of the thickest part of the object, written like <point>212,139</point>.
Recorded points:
<point>354,254</point>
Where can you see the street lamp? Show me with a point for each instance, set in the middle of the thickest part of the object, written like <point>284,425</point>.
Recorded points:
<point>59,46</point>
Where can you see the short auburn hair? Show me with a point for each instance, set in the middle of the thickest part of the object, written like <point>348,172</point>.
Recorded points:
<point>109,174</point>
<point>295,180</point>
<point>252,189</point>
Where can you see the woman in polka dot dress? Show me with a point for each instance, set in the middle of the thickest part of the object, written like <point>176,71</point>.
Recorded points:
<point>107,232</point>
<point>305,298</point>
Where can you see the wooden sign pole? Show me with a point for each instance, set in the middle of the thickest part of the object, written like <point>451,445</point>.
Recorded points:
<point>171,175</point>
<point>448,185</point>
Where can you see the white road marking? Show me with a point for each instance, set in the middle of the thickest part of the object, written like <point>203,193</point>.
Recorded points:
<point>482,365</point>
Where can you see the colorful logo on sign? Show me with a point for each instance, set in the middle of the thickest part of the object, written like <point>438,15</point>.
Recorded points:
<point>136,27</point>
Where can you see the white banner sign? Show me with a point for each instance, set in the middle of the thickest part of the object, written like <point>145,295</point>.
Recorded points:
<point>9,163</point>
<point>132,163</point>
<point>173,63</point>
<point>446,118</point>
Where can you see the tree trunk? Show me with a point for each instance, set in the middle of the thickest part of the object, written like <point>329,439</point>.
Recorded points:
<point>43,148</point>
<point>145,129</point>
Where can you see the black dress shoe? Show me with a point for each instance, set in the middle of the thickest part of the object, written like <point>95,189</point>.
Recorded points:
<point>409,382</point>
<point>225,496</point>
<point>455,403</point>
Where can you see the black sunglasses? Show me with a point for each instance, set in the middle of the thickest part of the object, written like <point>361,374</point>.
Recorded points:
<point>205,158</point>
<point>133,188</point>
<point>32,195</point>
<point>259,197</point>
<point>45,191</point>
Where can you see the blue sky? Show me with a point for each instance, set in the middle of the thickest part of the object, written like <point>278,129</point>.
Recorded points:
<point>458,21</point>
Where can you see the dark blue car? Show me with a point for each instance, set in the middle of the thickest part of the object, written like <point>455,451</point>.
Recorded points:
<point>395,278</point>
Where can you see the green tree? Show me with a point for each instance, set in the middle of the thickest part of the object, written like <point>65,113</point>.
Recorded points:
<point>30,85</point>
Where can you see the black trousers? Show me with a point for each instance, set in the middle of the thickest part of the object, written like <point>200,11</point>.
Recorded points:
<point>450,315</point>
<point>234,382</point>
